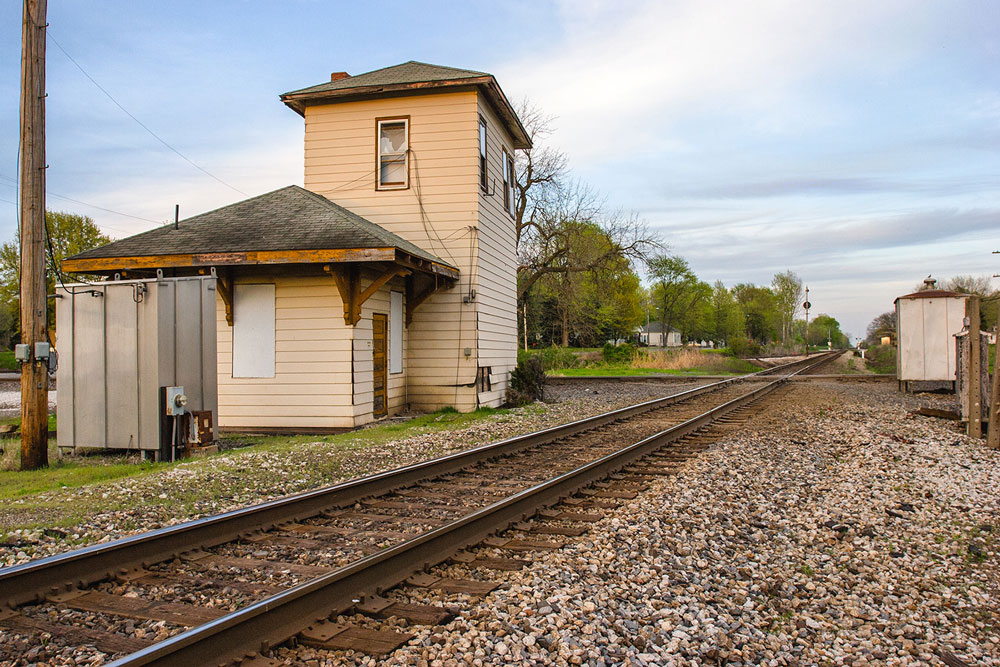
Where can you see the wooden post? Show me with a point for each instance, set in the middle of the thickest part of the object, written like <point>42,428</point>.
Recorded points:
<point>993,438</point>
<point>34,373</point>
<point>975,379</point>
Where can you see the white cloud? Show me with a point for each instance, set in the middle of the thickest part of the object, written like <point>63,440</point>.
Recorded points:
<point>622,75</point>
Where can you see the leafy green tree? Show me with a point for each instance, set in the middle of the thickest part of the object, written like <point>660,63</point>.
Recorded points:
<point>69,234</point>
<point>726,318</point>
<point>788,293</point>
<point>675,288</point>
<point>826,327</point>
<point>760,315</point>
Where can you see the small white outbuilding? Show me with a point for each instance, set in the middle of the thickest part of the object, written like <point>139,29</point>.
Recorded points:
<point>926,324</point>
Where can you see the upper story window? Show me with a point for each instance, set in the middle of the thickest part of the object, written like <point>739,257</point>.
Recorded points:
<point>393,159</point>
<point>508,182</point>
<point>483,183</point>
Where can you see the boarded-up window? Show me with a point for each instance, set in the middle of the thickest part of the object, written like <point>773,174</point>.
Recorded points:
<point>395,332</point>
<point>253,331</point>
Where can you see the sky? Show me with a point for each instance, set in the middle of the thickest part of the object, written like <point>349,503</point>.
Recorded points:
<point>854,143</point>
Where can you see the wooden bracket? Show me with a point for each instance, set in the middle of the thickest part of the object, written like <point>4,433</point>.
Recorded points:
<point>349,286</point>
<point>224,284</point>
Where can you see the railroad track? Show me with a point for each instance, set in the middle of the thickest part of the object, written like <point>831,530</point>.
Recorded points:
<point>225,588</point>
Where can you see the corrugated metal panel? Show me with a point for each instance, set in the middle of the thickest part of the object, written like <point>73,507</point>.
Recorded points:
<point>119,343</point>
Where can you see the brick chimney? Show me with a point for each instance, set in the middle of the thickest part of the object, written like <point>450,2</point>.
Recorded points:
<point>337,76</point>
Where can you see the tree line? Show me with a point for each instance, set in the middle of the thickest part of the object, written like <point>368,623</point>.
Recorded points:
<point>579,266</point>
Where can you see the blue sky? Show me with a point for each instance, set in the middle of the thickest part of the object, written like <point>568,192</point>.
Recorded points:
<point>856,143</point>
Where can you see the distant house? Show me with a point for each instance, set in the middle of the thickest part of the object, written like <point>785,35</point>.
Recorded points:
<point>388,282</point>
<point>652,335</point>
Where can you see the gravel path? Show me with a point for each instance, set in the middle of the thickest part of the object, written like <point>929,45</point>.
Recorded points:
<point>110,510</point>
<point>836,530</point>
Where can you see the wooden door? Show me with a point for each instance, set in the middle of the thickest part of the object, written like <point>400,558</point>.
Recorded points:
<point>380,407</point>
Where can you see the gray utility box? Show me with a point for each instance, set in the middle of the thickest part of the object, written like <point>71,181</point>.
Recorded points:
<point>120,343</point>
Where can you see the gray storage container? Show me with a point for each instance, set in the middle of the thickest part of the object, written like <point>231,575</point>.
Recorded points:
<point>119,343</point>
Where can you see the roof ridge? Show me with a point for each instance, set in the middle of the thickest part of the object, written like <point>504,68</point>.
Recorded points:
<point>448,67</point>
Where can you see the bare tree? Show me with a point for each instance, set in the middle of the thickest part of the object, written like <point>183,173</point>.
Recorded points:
<point>556,218</point>
<point>882,325</point>
<point>540,170</point>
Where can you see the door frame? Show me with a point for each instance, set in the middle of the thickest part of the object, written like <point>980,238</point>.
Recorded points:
<point>385,364</point>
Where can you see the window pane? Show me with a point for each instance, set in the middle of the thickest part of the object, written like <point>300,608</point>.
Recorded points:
<point>482,138</point>
<point>393,170</point>
<point>393,138</point>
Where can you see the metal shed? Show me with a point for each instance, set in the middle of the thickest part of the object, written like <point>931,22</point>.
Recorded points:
<point>926,325</point>
<point>120,343</point>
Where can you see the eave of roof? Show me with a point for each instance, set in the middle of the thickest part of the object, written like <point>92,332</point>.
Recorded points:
<point>326,93</point>
<point>931,294</point>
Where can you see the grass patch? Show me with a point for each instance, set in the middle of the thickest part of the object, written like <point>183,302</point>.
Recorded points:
<point>76,471</point>
<point>683,362</point>
<point>67,473</point>
<point>7,360</point>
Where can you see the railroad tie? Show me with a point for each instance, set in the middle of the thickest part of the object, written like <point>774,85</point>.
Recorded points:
<point>548,529</point>
<point>181,613</point>
<point>389,518</point>
<point>148,578</point>
<point>521,545</point>
<point>71,635</point>
<point>209,560</point>
<point>346,637</point>
<point>502,564</point>
<point>421,614</point>
<point>451,586</point>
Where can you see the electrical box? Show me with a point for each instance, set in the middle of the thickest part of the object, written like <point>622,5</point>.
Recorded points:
<point>176,400</point>
<point>121,344</point>
<point>22,352</point>
<point>41,351</point>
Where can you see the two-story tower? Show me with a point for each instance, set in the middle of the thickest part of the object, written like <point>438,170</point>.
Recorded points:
<point>388,282</point>
<point>427,152</point>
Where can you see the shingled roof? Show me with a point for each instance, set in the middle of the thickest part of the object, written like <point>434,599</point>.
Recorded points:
<point>408,72</point>
<point>289,219</point>
<point>409,78</point>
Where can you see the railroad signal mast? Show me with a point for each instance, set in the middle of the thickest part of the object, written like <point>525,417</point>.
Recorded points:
<point>807,306</point>
<point>33,352</point>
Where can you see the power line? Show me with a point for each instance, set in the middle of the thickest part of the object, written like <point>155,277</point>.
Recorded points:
<point>77,201</point>
<point>141,124</point>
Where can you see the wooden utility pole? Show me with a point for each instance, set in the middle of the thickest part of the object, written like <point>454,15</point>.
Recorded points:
<point>975,379</point>
<point>993,435</point>
<point>34,372</point>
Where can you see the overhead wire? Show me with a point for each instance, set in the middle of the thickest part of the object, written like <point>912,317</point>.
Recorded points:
<point>84,203</point>
<point>139,122</point>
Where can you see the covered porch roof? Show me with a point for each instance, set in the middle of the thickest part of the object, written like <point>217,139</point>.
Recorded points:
<point>286,227</point>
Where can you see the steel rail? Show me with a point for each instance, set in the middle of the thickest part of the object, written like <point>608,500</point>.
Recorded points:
<point>271,621</point>
<point>33,581</point>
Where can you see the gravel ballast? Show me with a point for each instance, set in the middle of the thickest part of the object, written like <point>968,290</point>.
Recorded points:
<point>835,529</point>
<point>239,478</point>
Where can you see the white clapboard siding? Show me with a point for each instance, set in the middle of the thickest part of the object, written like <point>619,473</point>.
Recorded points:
<point>497,295</point>
<point>320,378</point>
